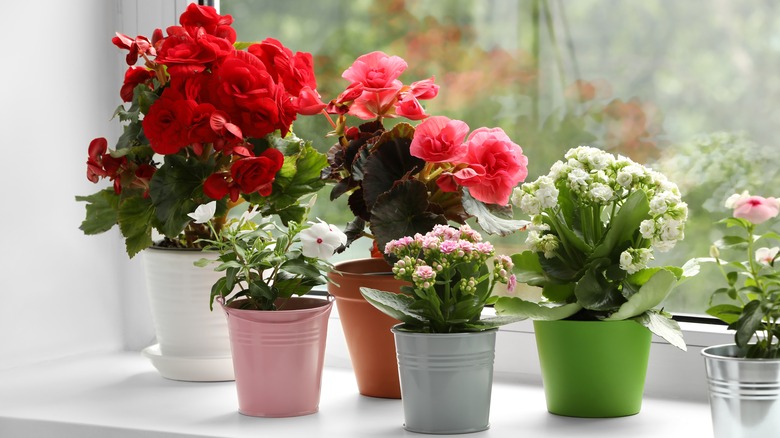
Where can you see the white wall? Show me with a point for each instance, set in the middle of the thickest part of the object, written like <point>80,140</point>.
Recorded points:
<point>63,293</point>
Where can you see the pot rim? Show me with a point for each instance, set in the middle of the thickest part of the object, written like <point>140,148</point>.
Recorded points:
<point>707,353</point>
<point>397,330</point>
<point>324,303</point>
<point>338,267</point>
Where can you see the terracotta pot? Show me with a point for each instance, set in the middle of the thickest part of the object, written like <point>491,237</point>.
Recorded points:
<point>366,329</point>
<point>278,356</point>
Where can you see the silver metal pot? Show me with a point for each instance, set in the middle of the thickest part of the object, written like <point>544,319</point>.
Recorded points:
<point>744,393</point>
<point>446,380</point>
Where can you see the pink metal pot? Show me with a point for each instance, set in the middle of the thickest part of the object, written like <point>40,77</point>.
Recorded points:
<point>278,356</point>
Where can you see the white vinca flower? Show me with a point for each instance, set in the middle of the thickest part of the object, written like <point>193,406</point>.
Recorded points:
<point>766,256</point>
<point>321,240</point>
<point>734,198</point>
<point>204,212</point>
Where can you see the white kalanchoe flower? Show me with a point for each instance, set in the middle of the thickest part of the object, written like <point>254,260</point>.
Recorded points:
<point>647,228</point>
<point>546,193</point>
<point>530,204</point>
<point>204,212</point>
<point>601,193</point>
<point>634,260</point>
<point>321,239</point>
<point>766,256</point>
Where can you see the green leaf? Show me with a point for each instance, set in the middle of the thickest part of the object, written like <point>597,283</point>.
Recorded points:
<point>513,306</point>
<point>174,188</point>
<point>650,295</point>
<point>595,293</point>
<point>748,323</point>
<point>135,217</point>
<point>527,268</point>
<point>661,324</point>
<point>402,211</point>
<point>624,224</point>
<point>569,211</point>
<point>102,211</point>
<point>731,241</point>
<point>299,175</point>
<point>491,218</point>
<point>559,293</point>
<point>389,161</point>
<point>394,305</point>
<point>492,322</point>
<point>727,313</point>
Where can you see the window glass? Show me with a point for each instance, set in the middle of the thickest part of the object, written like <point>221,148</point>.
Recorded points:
<point>687,88</point>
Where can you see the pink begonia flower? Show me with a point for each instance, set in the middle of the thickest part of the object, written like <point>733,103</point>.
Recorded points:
<point>424,89</point>
<point>375,102</point>
<point>496,166</point>
<point>440,140</point>
<point>756,209</point>
<point>321,240</point>
<point>376,70</point>
<point>408,106</point>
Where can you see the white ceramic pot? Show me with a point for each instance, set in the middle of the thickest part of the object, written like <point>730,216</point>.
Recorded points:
<point>193,342</point>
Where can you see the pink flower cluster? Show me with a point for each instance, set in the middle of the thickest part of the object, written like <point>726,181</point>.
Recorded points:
<point>488,163</point>
<point>451,243</point>
<point>423,257</point>
<point>376,92</point>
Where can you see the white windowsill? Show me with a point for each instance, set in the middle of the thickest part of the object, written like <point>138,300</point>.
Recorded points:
<point>122,395</point>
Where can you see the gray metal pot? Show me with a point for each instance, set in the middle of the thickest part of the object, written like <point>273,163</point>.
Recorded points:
<point>446,380</point>
<point>744,393</point>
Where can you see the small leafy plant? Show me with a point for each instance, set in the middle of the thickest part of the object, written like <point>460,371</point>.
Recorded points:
<point>451,281</point>
<point>753,283</point>
<point>264,262</point>
<point>595,221</point>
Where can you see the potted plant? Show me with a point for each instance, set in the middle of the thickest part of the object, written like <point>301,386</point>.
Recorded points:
<point>402,181</point>
<point>277,336</point>
<point>442,339</point>
<point>204,118</point>
<point>744,377</point>
<point>595,221</point>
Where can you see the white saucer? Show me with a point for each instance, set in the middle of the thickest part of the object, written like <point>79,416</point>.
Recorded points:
<point>191,369</point>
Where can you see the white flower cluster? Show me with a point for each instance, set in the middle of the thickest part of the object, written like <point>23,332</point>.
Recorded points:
<point>599,180</point>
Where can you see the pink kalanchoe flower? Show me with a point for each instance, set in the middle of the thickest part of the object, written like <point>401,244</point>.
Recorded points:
<point>756,209</point>
<point>448,246</point>
<point>440,140</point>
<point>424,272</point>
<point>511,283</point>
<point>484,247</point>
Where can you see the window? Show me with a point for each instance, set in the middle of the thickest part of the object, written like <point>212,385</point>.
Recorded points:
<point>687,88</point>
